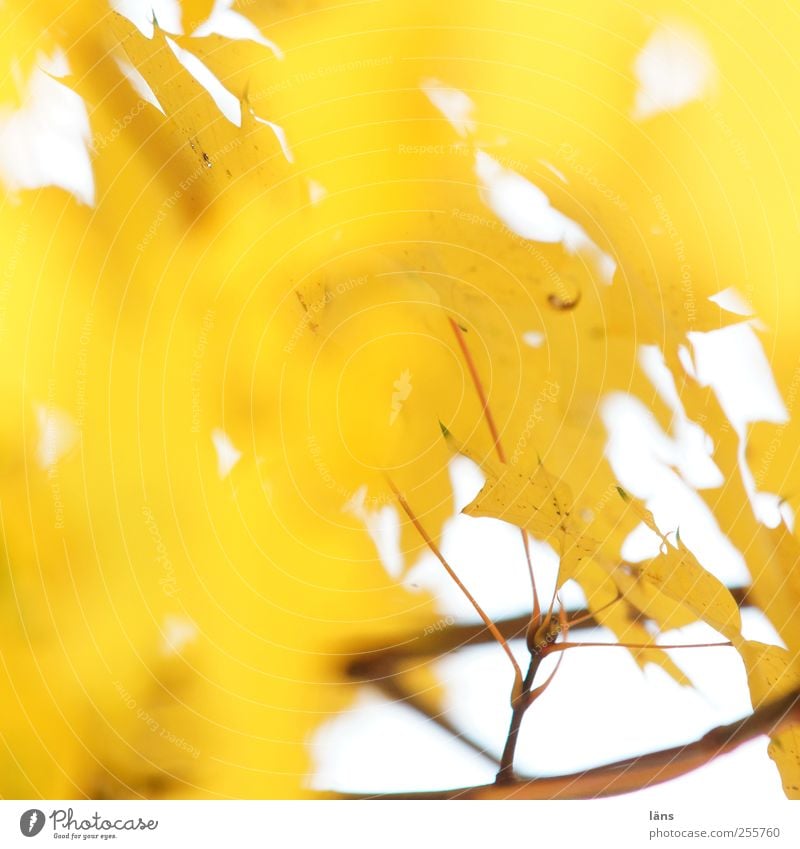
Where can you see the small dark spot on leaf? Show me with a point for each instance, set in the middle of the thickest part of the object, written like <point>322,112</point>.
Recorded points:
<point>559,303</point>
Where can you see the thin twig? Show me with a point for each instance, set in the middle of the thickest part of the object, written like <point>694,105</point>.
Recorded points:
<point>440,557</point>
<point>498,445</point>
<point>520,700</point>
<point>536,616</point>
<point>554,647</point>
<point>505,774</point>
<point>476,380</point>
<point>526,698</point>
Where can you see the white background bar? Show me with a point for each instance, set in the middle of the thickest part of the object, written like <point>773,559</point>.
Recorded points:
<point>620,823</point>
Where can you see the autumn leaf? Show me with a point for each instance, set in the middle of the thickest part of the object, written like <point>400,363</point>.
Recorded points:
<point>771,673</point>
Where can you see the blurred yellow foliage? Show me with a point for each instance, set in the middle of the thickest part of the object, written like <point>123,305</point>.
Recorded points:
<point>171,627</point>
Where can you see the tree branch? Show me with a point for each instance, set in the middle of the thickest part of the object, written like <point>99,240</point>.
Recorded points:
<point>371,662</point>
<point>633,773</point>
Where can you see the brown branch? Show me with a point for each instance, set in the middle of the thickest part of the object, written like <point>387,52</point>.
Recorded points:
<point>379,666</point>
<point>456,637</point>
<point>633,773</point>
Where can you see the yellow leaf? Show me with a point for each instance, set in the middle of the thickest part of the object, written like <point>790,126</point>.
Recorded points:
<point>540,504</point>
<point>771,673</point>
<point>677,574</point>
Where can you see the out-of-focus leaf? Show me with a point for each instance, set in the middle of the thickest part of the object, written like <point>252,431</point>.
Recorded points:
<point>772,672</point>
